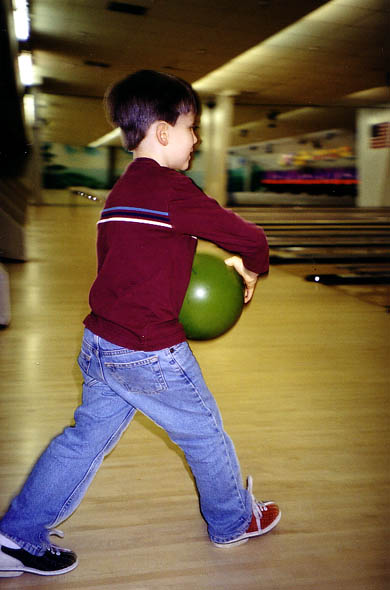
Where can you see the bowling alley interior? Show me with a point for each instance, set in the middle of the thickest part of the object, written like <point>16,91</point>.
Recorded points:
<point>294,136</point>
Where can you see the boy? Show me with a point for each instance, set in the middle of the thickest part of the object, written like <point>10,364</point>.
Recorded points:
<point>134,354</point>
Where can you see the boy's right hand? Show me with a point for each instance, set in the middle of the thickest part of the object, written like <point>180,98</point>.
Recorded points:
<point>250,277</point>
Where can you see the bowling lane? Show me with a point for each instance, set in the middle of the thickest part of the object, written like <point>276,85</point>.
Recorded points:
<point>345,248</point>
<point>368,281</point>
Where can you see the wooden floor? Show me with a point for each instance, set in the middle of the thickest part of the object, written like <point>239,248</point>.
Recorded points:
<point>303,385</point>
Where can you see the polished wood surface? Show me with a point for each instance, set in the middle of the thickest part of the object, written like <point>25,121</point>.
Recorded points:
<point>323,228</point>
<point>315,215</point>
<point>303,385</point>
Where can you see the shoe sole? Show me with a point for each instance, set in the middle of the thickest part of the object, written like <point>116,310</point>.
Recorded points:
<point>29,570</point>
<point>230,544</point>
<point>248,536</point>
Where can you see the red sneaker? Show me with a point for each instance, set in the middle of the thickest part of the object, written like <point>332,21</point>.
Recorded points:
<point>265,516</point>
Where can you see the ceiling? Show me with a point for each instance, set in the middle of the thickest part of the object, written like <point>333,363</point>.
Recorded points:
<point>308,64</point>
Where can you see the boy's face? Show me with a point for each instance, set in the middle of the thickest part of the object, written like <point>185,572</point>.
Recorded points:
<point>182,139</point>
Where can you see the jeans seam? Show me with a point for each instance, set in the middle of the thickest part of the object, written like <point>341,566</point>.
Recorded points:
<point>219,430</point>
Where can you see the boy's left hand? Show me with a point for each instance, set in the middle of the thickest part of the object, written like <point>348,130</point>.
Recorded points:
<point>250,278</point>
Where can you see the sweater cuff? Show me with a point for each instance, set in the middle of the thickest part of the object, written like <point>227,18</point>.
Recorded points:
<point>259,261</point>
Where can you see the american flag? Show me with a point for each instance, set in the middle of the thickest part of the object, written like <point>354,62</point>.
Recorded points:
<point>380,135</point>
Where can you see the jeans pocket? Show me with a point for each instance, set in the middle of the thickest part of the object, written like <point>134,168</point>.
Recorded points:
<point>139,376</point>
<point>84,361</point>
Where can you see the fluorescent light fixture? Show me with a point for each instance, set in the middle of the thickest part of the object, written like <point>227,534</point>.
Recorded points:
<point>29,108</point>
<point>21,20</point>
<point>109,138</point>
<point>26,68</point>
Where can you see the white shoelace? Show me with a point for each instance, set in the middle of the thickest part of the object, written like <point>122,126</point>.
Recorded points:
<point>57,533</point>
<point>53,548</point>
<point>257,507</point>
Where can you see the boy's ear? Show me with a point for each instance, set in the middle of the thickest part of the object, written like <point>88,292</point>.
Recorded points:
<point>162,132</point>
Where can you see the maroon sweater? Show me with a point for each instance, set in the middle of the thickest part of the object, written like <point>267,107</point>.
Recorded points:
<point>147,237</point>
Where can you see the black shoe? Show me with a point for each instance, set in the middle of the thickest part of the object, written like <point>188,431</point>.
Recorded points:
<point>56,560</point>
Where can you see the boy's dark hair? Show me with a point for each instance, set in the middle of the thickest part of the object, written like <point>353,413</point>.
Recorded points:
<point>134,103</point>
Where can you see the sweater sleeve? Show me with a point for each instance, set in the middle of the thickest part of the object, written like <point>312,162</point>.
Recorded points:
<point>194,213</point>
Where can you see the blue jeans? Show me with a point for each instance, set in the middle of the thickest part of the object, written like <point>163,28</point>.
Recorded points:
<point>168,387</point>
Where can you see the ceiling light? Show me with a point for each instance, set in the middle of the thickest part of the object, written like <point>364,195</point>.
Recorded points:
<point>29,108</point>
<point>21,20</point>
<point>26,68</point>
<point>110,138</point>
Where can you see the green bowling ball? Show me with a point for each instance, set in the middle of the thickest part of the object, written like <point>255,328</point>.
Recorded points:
<point>214,298</point>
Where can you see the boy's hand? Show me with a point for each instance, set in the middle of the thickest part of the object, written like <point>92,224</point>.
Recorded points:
<point>250,278</point>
